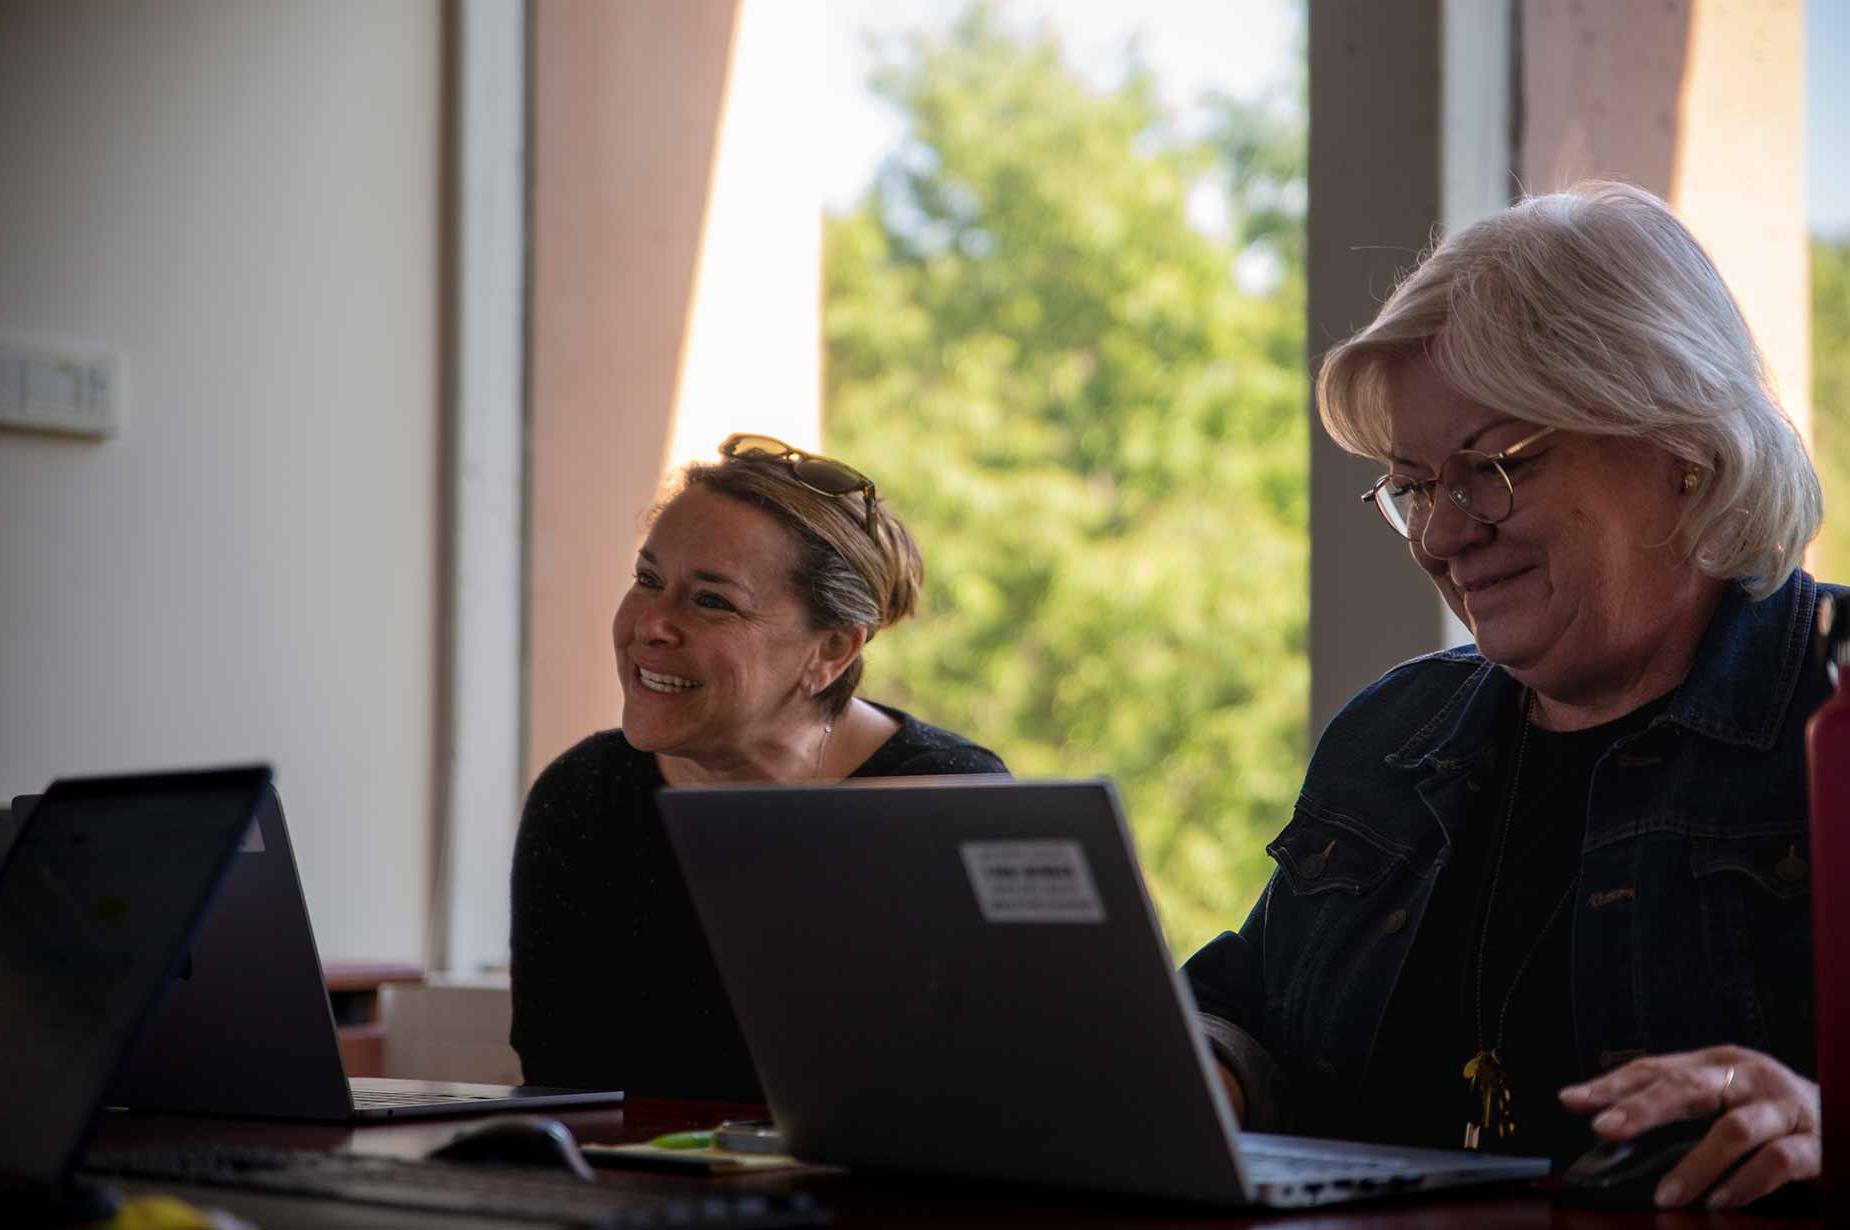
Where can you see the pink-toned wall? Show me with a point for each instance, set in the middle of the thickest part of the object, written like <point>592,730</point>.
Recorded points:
<point>627,100</point>
<point>1702,102</point>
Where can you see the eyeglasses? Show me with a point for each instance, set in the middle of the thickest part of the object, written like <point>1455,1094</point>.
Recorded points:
<point>823,475</point>
<point>1476,482</point>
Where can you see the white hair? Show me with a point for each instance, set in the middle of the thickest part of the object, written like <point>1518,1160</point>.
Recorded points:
<point>1595,310</point>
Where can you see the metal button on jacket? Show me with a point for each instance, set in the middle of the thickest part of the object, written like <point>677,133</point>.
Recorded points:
<point>1792,868</point>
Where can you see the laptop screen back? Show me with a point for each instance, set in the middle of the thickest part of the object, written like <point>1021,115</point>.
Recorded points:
<point>956,975</point>
<point>245,1029</point>
<point>98,897</point>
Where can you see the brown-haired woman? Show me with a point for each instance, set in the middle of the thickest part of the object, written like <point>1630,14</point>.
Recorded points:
<point>739,645</point>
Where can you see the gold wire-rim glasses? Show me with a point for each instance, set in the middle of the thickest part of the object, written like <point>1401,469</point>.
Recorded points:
<point>1478,486</point>
<point>823,475</point>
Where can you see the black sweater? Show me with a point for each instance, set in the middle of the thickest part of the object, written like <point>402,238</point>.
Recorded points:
<point>614,986</point>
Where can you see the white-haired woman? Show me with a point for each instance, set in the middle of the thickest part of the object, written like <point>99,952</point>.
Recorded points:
<point>1560,873</point>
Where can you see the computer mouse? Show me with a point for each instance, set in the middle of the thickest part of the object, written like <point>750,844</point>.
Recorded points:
<point>1625,1173</point>
<point>517,1140</point>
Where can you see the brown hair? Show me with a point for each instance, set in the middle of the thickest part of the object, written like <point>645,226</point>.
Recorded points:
<point>848,574</point>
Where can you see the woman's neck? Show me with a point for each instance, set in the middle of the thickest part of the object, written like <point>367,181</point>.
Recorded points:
<point>827,749</point>
<point>794,755</point>
<point>1593,698</point>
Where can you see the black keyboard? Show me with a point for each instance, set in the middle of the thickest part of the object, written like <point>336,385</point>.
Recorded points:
<point>515,1192</point>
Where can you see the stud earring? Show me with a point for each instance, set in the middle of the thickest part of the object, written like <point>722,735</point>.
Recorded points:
<point>1691,478</point>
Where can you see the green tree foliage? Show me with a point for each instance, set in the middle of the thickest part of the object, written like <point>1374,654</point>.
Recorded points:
<point>1098,439</point>
<point>1830,367</point>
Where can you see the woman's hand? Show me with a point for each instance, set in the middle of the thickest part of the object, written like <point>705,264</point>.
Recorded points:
<point>1769,1119</point>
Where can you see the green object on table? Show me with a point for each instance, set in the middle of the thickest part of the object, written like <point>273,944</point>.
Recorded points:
<point>684,1140</point>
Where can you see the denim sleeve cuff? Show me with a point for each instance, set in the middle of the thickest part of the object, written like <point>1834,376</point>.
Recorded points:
<point>1260,1078</point>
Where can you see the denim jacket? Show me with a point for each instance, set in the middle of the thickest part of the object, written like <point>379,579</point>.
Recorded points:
<point>1691,926</point>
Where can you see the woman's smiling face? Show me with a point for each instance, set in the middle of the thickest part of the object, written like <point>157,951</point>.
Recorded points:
<point>715,648</point>
<point>1572,592</point>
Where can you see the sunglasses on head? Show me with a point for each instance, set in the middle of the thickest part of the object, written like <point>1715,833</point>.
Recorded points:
<point>823,475</point>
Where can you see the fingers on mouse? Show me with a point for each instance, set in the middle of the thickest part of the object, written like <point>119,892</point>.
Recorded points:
<point>1630,1173</point>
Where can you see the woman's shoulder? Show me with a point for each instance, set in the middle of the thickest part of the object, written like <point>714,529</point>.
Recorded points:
<point>1436,675</point>
<point>592,769</point>
<point>1414,687</point>
<point>1415,704</point>
<point>920,749</point>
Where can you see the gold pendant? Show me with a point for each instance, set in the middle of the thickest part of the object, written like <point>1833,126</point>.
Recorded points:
<point>1491,1087</point>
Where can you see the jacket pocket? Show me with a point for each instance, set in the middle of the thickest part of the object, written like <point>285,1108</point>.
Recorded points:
<point>1775,867</point>
<point>1319,855</point>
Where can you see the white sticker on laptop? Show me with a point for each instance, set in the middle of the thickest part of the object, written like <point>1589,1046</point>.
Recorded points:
<point>1032,882</point>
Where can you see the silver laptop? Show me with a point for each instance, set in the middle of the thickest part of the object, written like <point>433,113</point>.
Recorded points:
<point>246,1027</point>
<point>966,976</point>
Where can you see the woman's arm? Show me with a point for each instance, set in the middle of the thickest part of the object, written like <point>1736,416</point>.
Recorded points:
<point>560,874</point>
<point>1228,982</point>
<point>1236,1095</point>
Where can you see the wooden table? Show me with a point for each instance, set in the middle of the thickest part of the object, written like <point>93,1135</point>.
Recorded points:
<point>868,1200</point>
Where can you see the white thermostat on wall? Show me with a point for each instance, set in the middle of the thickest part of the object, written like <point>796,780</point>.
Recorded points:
<point>56,384</point>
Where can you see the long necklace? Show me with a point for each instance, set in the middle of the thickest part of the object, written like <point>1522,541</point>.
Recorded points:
<point>1490,1084</point>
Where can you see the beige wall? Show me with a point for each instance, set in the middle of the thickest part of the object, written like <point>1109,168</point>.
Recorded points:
<point>1378,165</point>
<point>676,294</point>
<point>240,199</point>
<point>753,355</point>
<point>626,104</point>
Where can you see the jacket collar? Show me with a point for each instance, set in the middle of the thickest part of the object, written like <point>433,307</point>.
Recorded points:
<point>1749,663</point>
<point>1738,689</point>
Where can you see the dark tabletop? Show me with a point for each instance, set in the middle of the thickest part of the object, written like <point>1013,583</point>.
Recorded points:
<point>863,1199</point>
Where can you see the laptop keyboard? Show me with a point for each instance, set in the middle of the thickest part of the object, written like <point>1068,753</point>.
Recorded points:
<point>1280,1163</point>
<point>377,1099</point>
<point>518,1193</point>
<point>1328,1159</point>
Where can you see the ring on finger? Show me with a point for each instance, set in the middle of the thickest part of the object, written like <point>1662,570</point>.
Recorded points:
<point>1721,1096</point>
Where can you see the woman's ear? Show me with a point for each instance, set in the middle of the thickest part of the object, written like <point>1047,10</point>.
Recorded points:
<point>834,653</point>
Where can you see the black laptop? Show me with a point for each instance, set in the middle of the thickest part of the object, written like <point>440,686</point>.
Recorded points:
<point>246,1027</point>
<point>103,885</point>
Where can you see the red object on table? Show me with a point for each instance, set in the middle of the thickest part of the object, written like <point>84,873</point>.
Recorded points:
<point>1827,749</point>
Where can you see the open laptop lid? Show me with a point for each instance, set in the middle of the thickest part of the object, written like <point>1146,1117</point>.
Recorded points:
<point>100,893</point>
<point>962,976</point>
<point>246,1028</point>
